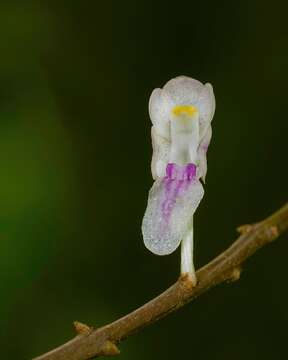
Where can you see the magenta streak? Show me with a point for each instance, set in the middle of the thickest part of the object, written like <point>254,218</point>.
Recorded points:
<point>176,182</point>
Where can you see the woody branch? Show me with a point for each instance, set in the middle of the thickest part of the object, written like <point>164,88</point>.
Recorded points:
<point>90,343</point>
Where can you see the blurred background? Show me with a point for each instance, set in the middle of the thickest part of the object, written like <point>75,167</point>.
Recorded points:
<point>75,155</point>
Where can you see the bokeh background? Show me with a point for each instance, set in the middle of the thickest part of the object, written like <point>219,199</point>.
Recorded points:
<point>75,155</point>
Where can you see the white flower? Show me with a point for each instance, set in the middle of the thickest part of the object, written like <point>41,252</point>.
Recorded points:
<point>181,114</point>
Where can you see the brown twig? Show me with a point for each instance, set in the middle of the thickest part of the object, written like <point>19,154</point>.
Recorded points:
<point>91,343</point>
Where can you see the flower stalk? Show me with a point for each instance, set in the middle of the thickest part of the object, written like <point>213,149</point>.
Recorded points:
<point>187,264</point>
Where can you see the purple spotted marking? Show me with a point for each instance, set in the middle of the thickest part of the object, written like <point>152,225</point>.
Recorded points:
<point>205,147</point>
<point>176,182</point>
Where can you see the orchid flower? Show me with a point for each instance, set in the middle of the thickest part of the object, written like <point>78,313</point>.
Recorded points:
<point>181,115</point>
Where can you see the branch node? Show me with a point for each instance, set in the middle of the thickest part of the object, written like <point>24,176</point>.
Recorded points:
<point>109,349</point>
<point>272,233</point>
<point>187,281</point>
<point>82,329</point>
<point>244,229</point>
<point>235,274</point>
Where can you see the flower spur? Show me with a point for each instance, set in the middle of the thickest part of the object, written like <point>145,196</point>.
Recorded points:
<point>181,114</point>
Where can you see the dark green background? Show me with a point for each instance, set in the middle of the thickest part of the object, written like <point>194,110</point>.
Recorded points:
<point>75,155</point>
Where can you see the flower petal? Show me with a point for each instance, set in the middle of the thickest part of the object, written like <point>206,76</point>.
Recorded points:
<point>160,156</point>
<point>183,90</point>
<point>159,107</point>
<point>171,205</point>
<point>206,106</point>
<point>202,154</point>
